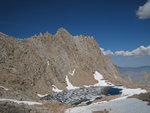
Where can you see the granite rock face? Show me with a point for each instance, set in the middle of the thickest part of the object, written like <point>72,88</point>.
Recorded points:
<point>33,65</point>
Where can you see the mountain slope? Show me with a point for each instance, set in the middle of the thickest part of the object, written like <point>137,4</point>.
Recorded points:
<point>42,64</point>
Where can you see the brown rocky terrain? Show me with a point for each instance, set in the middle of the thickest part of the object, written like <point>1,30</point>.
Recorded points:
<point>33,65</point>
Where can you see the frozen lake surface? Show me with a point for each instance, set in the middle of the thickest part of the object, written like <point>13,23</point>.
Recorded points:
<point>86,94</point>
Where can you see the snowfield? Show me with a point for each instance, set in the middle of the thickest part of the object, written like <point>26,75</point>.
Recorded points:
<point>121,104</point>
<point>130,105</point>
<point>101,82</point>
<point>21,102</point>
<point>131,92</point>
<point>69,85</point>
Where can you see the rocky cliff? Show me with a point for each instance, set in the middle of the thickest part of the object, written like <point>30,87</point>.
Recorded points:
<point>41,64</point>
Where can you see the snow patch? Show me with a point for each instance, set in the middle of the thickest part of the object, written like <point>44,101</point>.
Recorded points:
<point>42,95</point>
<point>55,89</point>
<point>130,105</point>
<point>101,82</point>
<point>4,88</point>
<point>48,63</point>
<point>131,92</point>
<point>21,102</point>
<point>72,73</point>
<point>69,85</point>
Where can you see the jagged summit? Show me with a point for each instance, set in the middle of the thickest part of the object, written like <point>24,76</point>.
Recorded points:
<point>62,31</point>
<point>41,35</point>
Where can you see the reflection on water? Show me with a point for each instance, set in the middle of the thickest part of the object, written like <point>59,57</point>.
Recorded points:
<point>113,91</point>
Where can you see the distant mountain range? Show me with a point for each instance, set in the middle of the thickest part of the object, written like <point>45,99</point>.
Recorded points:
<point>135,73</point>
<point>145,81</point>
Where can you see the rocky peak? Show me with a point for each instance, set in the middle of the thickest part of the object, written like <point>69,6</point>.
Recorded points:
<point>40,35</point>
<point>47,34</point>
<point>61,31</point>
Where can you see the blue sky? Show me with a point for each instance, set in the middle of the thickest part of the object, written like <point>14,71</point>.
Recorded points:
<point>117,25</point>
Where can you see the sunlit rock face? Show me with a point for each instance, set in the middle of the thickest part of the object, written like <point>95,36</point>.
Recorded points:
<point>40,64</point>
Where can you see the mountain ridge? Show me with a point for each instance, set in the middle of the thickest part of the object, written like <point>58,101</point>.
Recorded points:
<point>32,65</point>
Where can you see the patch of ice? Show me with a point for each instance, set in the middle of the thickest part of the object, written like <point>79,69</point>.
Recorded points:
<point>101,82</point>
<point>42,95</point>
<point>55,89</point>
<point>4,88</point>
<point>69,85</point>
<point>21,102</point>
<point>72,73</point>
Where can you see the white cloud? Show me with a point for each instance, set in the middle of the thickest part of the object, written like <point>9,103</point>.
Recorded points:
<point>144,11</point>
<point>141,51</point>
<point>107,52</point>
<point>123,53</point>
